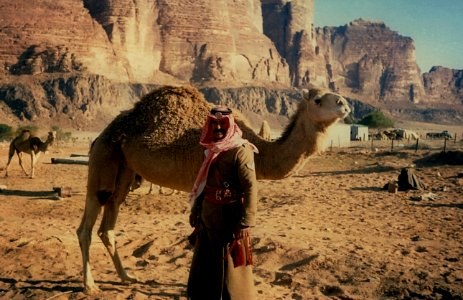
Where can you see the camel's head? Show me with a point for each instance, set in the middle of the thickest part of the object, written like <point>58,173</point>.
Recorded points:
<point>325,107</point>
<point>51,136</point>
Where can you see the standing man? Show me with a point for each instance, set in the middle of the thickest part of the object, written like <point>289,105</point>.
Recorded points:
<point>224,201</point>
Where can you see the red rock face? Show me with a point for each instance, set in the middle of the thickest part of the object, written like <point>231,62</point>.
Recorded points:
<point>443,84</point>
<point>208,43</point>
<point>370,60</point>
<point>50,30</point>
<point>146,41</point>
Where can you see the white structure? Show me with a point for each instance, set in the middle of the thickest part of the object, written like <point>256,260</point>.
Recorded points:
<point>338,136</point>
<point>358,132</point>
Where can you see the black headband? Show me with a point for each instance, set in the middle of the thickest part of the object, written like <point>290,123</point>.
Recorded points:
<point>221,110</point>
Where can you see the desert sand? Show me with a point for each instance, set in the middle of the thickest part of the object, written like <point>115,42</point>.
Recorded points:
<point>329,232</point>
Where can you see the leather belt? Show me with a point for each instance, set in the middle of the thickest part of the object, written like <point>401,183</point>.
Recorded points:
<point>222,195</point>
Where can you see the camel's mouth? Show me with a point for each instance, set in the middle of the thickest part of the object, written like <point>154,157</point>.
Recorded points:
<point>344,110</point>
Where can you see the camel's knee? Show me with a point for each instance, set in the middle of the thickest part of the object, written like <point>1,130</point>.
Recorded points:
<point>84,235</point>
<point>103,197</point>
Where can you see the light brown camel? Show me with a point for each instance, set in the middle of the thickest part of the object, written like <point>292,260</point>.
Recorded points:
<point>159,140</point>
<point>29,144</point>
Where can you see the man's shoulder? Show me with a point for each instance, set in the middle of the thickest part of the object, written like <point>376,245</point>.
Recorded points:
<point>245,150</point>
<point>246,147</point>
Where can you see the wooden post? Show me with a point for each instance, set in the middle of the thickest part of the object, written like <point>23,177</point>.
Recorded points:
<point>372,144</point>
<point>445,144</point>
<point>392,144</point>
<point>416,146</point>
<point>68,161</point>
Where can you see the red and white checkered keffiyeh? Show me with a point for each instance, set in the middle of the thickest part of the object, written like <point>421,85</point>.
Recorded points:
<point>233,138</point>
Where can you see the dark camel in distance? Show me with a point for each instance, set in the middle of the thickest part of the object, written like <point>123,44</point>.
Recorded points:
<point>29,144</point>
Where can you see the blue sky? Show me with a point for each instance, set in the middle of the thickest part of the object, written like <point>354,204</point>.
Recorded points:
<point>436,26</point>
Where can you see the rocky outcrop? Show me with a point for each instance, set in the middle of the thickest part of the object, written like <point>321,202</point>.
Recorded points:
<point>368,59</point>
<point>36,34</point>
<point>75,60</point>
<point>289,24</point>
<point>262,101</point>
<point>79,101</point>
<point>443,85</point>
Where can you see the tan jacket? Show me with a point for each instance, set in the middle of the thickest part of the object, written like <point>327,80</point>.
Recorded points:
<point>237,169</point>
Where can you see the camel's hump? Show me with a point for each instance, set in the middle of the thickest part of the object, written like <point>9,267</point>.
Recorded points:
<point>164,116</point>
<point>170,101</point>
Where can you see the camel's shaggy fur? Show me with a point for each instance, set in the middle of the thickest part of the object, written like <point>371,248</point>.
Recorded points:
<point>159,140</point>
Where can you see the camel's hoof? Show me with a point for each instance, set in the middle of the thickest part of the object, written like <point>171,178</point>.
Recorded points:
<point>128,278</point>
<point>91,290</point>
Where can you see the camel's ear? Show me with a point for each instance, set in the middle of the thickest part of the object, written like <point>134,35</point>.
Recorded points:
<point>311,94</point>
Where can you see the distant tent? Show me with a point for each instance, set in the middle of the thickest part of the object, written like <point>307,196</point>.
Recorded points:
<point>406,134</point>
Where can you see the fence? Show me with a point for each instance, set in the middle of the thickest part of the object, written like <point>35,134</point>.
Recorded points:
<point>409,144</point>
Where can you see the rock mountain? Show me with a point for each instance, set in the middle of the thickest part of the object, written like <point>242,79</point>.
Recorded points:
<point>78,63</point>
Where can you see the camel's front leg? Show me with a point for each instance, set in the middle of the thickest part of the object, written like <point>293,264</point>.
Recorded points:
<point>20,158</point>
<point>8,164</point>
<point>84,233</point>
<point>108,223</point>
<point>34,160</point>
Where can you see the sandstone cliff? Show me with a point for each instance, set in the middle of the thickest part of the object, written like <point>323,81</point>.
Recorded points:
<point>73,60</point>
<point>199,41</point>
<point>69,100</point>
<point>367,58</point>
<point>444,85</point>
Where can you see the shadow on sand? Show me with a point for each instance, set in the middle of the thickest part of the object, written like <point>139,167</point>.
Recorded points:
<point>449,205</point>
<point>149,288</point>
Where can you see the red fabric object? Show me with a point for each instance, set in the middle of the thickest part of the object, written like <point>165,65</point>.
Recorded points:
<point>240,250</point>
<point>247,247</point>
<point>238,254</point>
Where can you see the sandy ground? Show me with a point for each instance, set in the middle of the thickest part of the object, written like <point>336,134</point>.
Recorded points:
<point>330,232</point>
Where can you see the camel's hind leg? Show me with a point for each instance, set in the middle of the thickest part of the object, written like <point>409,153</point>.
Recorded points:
<point>108,223</point>
<point>84,233</point>
<point>20,157</point>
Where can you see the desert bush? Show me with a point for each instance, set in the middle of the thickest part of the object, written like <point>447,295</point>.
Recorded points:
<point>6,132</point>
<point>377,119</point>
<point>33,129</point>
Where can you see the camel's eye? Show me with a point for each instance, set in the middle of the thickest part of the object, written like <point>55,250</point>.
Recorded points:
<point>318,101</point>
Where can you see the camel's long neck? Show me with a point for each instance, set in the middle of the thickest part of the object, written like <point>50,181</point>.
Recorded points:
<point>283,157</point>
<point>44,146</point>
